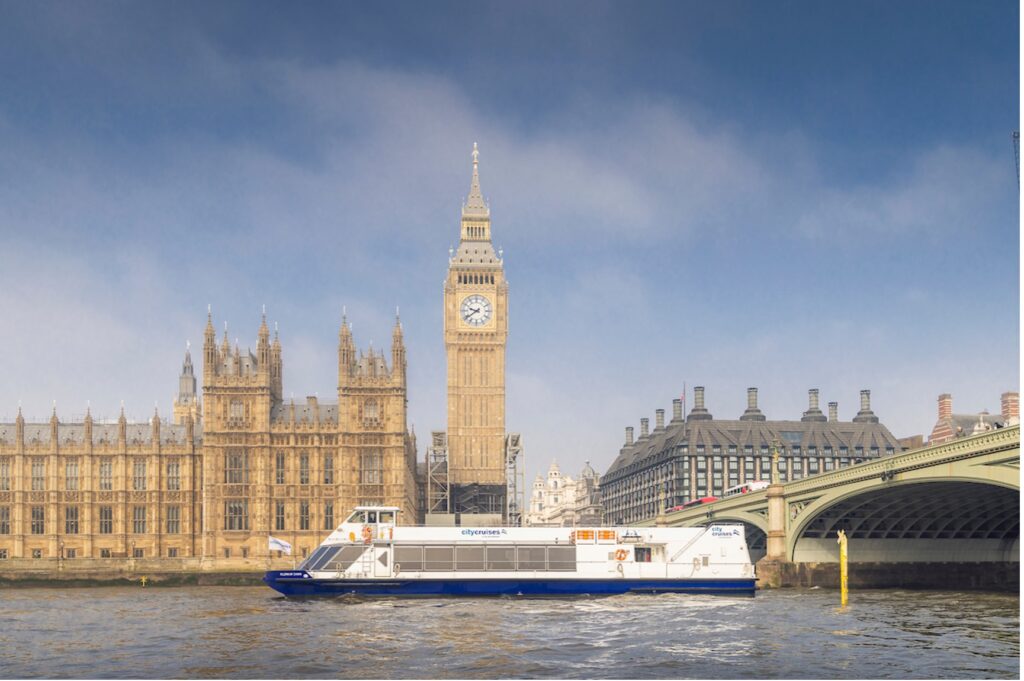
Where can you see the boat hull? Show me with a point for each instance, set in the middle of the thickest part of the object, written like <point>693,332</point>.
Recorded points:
<point>297,583</point>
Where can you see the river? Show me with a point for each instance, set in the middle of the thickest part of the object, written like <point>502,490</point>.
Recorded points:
<point>251,632</point>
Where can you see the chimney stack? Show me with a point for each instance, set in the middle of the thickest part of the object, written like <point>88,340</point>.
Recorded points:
<point>813,413</point>
<point>865,415</point>
<point>677,409</point>
<point>1010,403</point>
<point>699,413</point>
<point>659,419</point>
<point>833,411</point>
<point>945,406</point>
<point>752,413</point>
<point>629,435</point>
<point>644,422</point>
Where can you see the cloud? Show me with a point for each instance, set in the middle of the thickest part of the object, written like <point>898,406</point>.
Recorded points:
<point>314,186</point>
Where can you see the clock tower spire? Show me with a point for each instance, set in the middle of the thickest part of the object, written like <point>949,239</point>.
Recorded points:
<point>475,332</point>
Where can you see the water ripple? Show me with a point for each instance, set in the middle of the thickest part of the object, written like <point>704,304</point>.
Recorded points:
<point>241,632</point>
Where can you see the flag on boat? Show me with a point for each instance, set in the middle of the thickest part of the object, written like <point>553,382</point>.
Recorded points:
<point>280,545</point>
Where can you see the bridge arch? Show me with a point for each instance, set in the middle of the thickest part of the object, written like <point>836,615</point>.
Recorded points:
<point>920,520</point>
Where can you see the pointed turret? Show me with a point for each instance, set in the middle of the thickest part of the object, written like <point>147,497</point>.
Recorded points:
<point>397,350</point>
<point>54,423</point>
<point>122,428</point>
<point>19,428</point>
<point>476,215</point>
<point>475,204</point>
<point>209,347</point>
<point>346,351</point>
<point>263,347</point>
<point>276,369</point>
<point>87,426</point>
<point>155,424</point>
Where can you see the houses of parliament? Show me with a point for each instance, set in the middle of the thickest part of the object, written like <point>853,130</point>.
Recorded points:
<point>240,463</point>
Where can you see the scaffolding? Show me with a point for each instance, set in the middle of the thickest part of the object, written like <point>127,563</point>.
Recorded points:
<point>515,485</point>
<point>438,482</point>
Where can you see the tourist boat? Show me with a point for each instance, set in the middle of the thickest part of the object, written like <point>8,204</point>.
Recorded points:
<point>372,556</point>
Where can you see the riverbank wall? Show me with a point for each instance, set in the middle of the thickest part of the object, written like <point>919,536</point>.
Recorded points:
<point>984,576</point>
<point>121,571</point>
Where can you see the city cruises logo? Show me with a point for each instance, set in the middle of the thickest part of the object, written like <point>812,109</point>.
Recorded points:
<point>725,531</point>
<point>484,533</point>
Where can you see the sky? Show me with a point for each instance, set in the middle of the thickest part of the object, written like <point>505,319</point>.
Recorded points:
<point>785,195</point>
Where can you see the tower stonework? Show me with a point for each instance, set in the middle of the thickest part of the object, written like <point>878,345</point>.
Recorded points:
<point>475,333</point>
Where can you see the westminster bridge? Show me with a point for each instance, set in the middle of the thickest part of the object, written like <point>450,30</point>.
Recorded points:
<point>946,515</point>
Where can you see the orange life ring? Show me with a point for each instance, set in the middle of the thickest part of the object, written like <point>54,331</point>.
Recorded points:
<point>621,554</point>
<point>367,534</point>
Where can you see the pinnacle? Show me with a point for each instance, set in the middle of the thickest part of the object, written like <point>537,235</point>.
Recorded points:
<point>475,204</point>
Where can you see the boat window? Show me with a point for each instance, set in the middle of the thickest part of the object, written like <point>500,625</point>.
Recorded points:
<point>409,558</point>
<point>341,560</point>
<point>469,558</point>
<point>315,557</point>
<point>371,516</point>
<point>357,517</point>
<point>317,562</point>
<point>642,554</point>
<point>561,557</point>
<point>439,558</point>
<point>501,558</point>
<point>530,558</point>
<point>387,516</point>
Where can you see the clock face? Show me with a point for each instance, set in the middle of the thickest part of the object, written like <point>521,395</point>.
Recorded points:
<point>476,310</point>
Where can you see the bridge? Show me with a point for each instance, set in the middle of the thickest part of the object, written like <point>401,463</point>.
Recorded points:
<point>946,515</point>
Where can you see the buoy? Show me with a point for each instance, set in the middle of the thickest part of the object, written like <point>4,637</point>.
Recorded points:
<point>144,579</point>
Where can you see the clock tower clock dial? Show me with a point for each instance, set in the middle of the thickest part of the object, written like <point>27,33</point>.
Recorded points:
<point>476,310</point>
<point>475,333</point>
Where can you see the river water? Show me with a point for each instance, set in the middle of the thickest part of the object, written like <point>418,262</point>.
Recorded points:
<point>251,632</point>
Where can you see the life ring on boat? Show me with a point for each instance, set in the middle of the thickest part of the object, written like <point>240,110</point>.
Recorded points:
<point>367,534</point>
<point>621,554</point>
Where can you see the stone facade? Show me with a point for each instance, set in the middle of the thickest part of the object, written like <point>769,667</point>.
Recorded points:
<point>561,501</point>
<point>700,456</point>
<point>257,466</point>
<point>950,426</point>
<point>475,333</point>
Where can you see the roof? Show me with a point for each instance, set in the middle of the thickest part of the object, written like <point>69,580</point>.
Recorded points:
<point>74,433</point>
<point>304,413</point>
<point>757,434</point>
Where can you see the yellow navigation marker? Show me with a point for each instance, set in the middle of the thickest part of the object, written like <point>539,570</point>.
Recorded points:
<point>144,579</point>
<point>843,555</point>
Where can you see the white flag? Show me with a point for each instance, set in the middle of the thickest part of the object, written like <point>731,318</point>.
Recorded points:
<point>280,545</point>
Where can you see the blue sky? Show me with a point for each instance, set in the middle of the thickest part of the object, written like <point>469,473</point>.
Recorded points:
<point>785,195</point>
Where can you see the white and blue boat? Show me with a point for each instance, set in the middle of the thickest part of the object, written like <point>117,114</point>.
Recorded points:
<point>370,555</point>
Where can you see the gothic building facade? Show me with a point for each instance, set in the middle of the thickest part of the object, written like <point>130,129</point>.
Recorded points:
<point>238,465</point>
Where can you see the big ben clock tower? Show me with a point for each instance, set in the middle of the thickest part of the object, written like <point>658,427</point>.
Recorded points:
<point>475,333</point>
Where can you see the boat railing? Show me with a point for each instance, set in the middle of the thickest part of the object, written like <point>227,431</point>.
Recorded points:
<point>687,545</point>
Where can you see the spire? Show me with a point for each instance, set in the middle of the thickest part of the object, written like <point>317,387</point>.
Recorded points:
<point>475,205</point>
